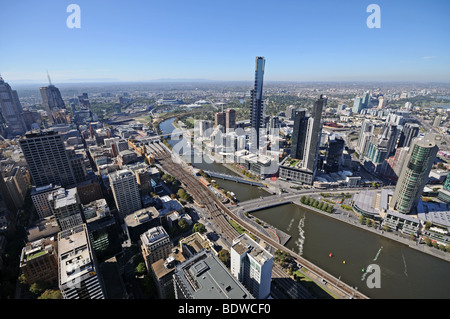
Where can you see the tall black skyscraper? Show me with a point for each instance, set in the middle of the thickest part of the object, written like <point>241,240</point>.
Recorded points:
<point>313,134</point>
<point>257,107</point>
<point>299,134</point>
<point>11,117</point>
<point>47,158</point>
<point>334,154</point>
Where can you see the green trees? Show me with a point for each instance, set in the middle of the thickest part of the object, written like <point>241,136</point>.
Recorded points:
<point>323,206</point>
<point>199,227</point>
<point>51,294</point>
<point>224,256</point>
<point>140,270</point>
<point>184,195</point>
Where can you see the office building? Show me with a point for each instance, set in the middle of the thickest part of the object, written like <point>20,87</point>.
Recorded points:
<point>10,110</point>
<point>162,272</point>
<point>220,119</point>
<point>335,150</point>
<point>414,175</point>
<point>102,229</point>
<point>39,197</point>
<point>78,269</point>
<point>140,221</point>
<point>66,207</point>
<point>156,244</point>
<point>16,183</point>
<point>125,190</point>
<point>47,158</point>
<point>257,108</point>
<point>252,265</point>
<point>204,276</point>
<point>84,101</point>
<point>39,261</point>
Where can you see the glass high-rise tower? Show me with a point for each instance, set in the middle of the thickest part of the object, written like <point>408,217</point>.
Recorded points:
<point>10,110</point>
<point>414,175</point>
<point>257,108</point>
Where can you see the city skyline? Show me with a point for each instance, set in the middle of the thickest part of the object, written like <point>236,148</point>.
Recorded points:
<point>320,41</point>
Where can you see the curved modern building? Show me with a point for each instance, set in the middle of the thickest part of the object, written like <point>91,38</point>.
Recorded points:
<point>414,175</point>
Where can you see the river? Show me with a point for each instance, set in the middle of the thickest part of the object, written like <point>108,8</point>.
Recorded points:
<point>405,272</point>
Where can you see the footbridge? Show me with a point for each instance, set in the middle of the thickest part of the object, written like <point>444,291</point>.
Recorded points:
<point>236,179</point>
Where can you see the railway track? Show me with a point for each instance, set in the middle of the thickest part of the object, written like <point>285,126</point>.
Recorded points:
<point>201,195</point>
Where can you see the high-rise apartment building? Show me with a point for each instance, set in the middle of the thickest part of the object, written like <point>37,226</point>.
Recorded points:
<point>219,119</point>
<point>11,110</point>
<point>257,108</point>
<point>230,120</point>
<point>306,134</point>
<point>365,134</point>
<point>414,174</point>
<point>313,134</point>
<point>299,134</point>
<point>47,158</point>
<point>357,105</point>
<point>251,265</point>
<point>78,269</point>
<point>409,131</point>
<point>125,190</point>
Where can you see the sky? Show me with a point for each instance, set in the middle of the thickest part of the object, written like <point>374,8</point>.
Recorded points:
<point>141,40</point>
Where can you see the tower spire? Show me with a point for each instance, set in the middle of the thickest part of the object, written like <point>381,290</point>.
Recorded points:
<point>48,76</point>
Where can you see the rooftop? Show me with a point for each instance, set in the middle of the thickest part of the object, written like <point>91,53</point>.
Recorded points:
<point>141,216</point>
<point>244,244</point>
<point>206,277</point>
<point>153,235</point>
<point>63,197</point>
<point>74,256</point>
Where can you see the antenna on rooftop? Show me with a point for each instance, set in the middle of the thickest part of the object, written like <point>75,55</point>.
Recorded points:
<point>48,76</point>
